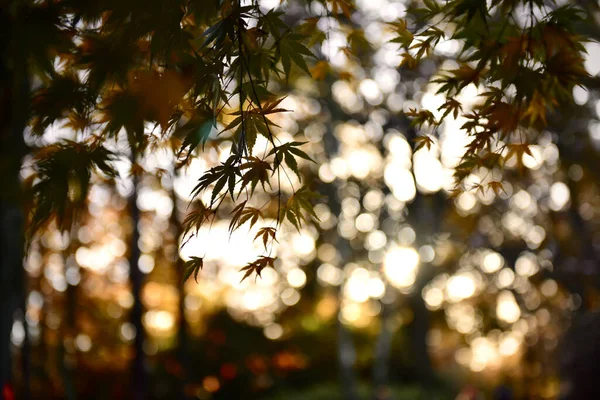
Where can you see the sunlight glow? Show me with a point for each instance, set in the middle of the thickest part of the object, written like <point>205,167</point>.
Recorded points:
<point>460,287</point>
<point>507,308</point>
<point>400,266</point>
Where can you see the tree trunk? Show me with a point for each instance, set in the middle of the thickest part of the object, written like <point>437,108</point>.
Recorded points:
<point>26,346</point>
<point>383,347</point>
<point>346,359</point>
<point>182,339</point>
<point>14,97</point>
<point>418,339</point>
<point>68,330</point>
<point>138,373</point>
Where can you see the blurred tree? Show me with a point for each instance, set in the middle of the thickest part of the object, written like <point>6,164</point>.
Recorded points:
<point>14,92</point>
<point>136,277</point>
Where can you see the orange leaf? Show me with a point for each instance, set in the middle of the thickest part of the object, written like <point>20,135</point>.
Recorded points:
<point>320,70</point>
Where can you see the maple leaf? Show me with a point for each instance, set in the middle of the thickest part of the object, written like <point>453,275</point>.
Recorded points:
<point>536,109</point>
<point>257,171</point>
<point>265,234</point>
<point>64,93</point>
<point>421,117</point>
<point>309,26</point>
<point>496,187</point>
<point>320,70</point>
<point>518,150</point>
<point>346,76</point>
<point>273,23</point>
<point>423,141</point>
<point>405,37</point>
<point>290,50</point>
<point>503,117</point>
<point>254,122</point>
<point>236,213</point>
<point>343,6</point>
<point>423,47</point>
<point>158,93</point>
<point>270,107</point>
<point>78,122</point>
<point>192,266</point>
<point>513,52</point>
<point>568,67</point>
<point>451,105</point>
<point>491,160</point>
<point>217,33</point>
<point>195,219</point>
<point>288,152</point>
<point>121,110</point>
<point>296,205</point>
<point>62,179</point>
<point>455,192</point>
<point>467,74</point>
<point>242,215</point>
<point>408,61</point>
<point>556,39</point>
<point>253,37</point>
<point>358,42</point>
<point>257,266</point>
<point>226,173</point>
<point>197,131</point>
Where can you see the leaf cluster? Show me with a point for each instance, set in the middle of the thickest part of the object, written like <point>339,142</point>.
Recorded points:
<point>523,72</point>
<point>106,69</point>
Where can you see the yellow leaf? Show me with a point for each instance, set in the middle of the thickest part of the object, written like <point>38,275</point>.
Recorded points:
<point>158,93</point>
<point>343,6</point>
<point>496,186</point>
<point>518,150</point>
<point>537,109</point>
<point>468,74</point>
<point>320,70</point>
<point>408,61</point>
<point>346,76</point>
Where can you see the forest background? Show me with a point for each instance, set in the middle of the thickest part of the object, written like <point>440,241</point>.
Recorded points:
<point>222,199</point>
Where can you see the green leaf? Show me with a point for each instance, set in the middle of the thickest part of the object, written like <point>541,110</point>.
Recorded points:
<point>226,173</point>
<point>63,172</point>
<point>257,172</point>
<point>291,50</point>
<point>196,131</point>
<point>193,266</point>
<point>298,204</point>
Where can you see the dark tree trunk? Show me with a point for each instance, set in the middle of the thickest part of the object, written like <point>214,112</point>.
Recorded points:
<point>25,348</point>
<point>346,359</point>
<point>418,340</point>
<point>138,373</point>
<point>383,347</point>
<point>14,97</point>
<point>68,330</point>
<point>182,329</point>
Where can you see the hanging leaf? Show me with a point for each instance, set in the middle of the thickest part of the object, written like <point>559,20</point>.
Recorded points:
<point>257,266</point>
<point>266,234</point>
<point>63,172</point>
<point>290,49</point>
<point>496,187</point>
<point>423,141</point>
<point>257,171</point>
<point>192,266</point>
